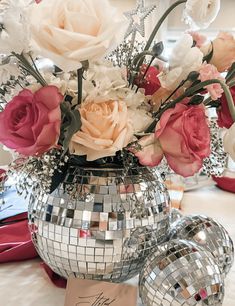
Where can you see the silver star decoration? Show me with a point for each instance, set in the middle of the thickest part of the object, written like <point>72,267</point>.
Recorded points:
<point>137,17</point>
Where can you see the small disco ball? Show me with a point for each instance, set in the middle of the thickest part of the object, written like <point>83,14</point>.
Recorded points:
<point>209,234</point>
<point>175,215</point>
<point>180,273</point>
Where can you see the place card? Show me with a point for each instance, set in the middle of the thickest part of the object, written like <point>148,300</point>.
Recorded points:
<point>80,292</point>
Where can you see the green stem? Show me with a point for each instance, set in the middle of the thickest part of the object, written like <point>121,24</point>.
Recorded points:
<point>140,57</point>
<point>160,22</point>
<point>189,92</point>
<point>24,64</point>
<point>227,93</point>
<point>80,76</point>
<point>138,61</point>
<point>36,69</point>
<point>207,101</point>
<point>145,73</point>
<point>231,83</point>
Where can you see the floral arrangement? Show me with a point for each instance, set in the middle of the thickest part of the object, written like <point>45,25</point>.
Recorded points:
<point>100,105</point>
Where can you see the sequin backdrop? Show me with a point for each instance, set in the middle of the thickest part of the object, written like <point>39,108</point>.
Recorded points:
<point>100,223</point>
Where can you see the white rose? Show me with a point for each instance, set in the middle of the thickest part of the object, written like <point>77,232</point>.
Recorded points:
<point>183,60</point>
<point>229,141</point>
<point>201,13</point>
<point>71,31</point>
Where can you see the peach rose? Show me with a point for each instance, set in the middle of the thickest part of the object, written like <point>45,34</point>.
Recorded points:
<point>71,31</point>
<point>223,51</point>
<point>106,129</point>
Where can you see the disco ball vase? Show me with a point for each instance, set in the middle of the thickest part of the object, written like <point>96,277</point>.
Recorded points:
<point>176,215</point>
<point>100,223</point>
<point>209,234</point>
<point>180,273</point>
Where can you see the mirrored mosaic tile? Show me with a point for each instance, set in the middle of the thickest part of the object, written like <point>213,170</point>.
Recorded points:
<point>180,273</point>
<point>100,224</point>
<point>209,234</point>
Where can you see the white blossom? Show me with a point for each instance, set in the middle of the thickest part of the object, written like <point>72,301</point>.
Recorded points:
<point>183,59</point>
<point>14,26</point>
<point>105,82</point>
<point>8,68</point>
<point>201,13</point>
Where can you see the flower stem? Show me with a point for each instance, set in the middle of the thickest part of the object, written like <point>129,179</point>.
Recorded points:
<point>140,58</point>
<point>225,87</point>
<point>231,83</point>
<point>24,64</point>
<point>189,92</point>
<point>80,76</point>
<point>160,22</point>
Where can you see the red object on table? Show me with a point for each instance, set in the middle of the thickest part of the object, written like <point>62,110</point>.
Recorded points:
<point>15,239</point>
<point>57,280</point>
<point>225,183</point>
<point>16,245</point>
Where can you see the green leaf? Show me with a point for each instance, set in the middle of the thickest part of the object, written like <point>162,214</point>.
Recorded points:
<point>196,100</point>
<point>70,125</point>
<point>158,49</point>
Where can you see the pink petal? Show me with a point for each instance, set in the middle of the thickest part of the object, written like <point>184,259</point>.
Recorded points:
<point>49,96</point>
<point>184,166</point>
<point>151,153</point>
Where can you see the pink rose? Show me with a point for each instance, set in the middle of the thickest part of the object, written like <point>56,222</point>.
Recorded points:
<point>182,136</point>
<point>151,152</point>
<point>30,123</point>
<point>225,119</point>
<point>209,72</point>
<point>198,38</point>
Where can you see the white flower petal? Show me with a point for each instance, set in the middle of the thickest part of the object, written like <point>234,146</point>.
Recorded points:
<point>201,13</point>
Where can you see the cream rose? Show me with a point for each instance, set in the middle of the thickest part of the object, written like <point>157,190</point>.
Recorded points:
<point>229,141</point>
<point>106,129</point>
<point>71,31</point>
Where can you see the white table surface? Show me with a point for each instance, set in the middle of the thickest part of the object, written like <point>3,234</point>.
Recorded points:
<point>26,283</point>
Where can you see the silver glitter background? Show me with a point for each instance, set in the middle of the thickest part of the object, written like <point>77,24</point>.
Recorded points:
<point>100,223</point>
<point>180,273</point>
<point>209,234</point>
